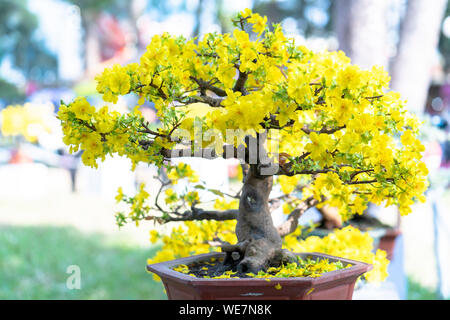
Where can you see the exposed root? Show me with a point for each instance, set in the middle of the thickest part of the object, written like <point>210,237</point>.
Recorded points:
<point>283,256</point>
<point>256,255</point>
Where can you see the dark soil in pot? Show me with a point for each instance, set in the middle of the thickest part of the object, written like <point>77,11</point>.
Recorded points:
<point>216,268</point>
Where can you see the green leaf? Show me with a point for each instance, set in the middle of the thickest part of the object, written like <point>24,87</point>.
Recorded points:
<point>216,192</point>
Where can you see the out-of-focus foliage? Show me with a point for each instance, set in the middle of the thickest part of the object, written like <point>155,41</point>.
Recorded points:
<point>19,43</point>
<point>122,8</point>
<point>115,7</point>
<point>311,17</point>
<point>10,93</point>
<point>97,5</point>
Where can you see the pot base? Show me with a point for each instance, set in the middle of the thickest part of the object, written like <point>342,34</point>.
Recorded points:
<point>334,285</point>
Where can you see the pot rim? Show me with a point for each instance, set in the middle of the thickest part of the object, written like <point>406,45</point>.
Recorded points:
<point>164,270</point>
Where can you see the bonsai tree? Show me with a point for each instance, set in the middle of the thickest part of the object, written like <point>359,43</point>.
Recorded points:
<point>325,131</point>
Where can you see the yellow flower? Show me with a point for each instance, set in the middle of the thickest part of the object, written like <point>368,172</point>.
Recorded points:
<point>408,138</point>
<point>82,109</point>
<point>320,144</point>
<point>119,195</point>
<point>119,81</point>
<point>259,23</point>
<point>93,144</point>
<point>154,236</point>
<point>223,204</point>
<point>226,74</point>
<point>192,197</point>
<point>89,159</point>
<point>247,12</point>
<point>171,196</point>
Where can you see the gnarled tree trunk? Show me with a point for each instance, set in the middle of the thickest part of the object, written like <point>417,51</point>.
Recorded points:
<point>259,243</point>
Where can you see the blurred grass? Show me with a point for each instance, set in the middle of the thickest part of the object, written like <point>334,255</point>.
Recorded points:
<point>34,260</point>
<point>417,291</point>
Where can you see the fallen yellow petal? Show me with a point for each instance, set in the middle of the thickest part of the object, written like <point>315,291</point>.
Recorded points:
<point>309,291</point>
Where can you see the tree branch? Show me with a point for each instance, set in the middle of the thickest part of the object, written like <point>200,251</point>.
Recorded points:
<point>213,102</point>
<point>286,169</point>
<point>159,89</point>
<point>207,85</point>
<point>290,225</point>
<point>354,174</point>
<point>200,214</point>
<point>240,83</point>
<point>323,130</point>
<point>229,151</point>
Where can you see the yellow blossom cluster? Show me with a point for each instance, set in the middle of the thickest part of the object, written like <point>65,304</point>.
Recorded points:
<point>28,120</point>
<point>224,204</point>
<point>349,243</point>
<point>138,206</point>
<point>338,123</point>
<point>99,132</point>
<point>182,170</point>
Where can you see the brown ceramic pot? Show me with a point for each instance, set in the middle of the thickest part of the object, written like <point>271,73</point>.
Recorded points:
<point>387,242</point>
<point>334,285</point>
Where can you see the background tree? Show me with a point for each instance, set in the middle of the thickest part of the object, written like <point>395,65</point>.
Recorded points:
<point>312,18</point>
<point>18,42</point>
<point>10,93</point>
<point>361,27</point>
<point>411,68</point>
<point>444,43</point>
<point>89,12</point>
